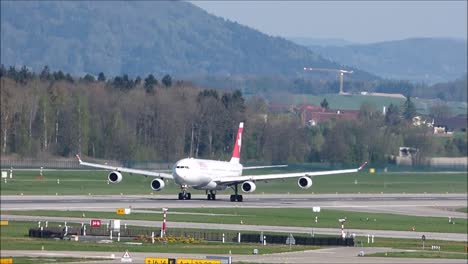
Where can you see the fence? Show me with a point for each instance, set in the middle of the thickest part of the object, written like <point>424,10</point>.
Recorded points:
<point>59,232</point>
<point>69,164</point>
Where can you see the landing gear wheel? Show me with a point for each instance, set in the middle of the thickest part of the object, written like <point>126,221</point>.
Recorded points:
<point>185,196</point>
<point>211,195</point>
<point>236,197</point>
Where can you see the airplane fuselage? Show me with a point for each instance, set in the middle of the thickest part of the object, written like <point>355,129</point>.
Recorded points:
<point>202,174</point>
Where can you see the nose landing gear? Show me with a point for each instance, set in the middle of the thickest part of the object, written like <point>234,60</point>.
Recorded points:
<point>184,195</point>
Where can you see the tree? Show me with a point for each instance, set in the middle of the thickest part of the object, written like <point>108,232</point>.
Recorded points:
<point>150,82</point>
<point>24,75</point>
<point>58,76</point>
<point>45,73</point>
<point>137,80</point>
<point>167,80</point>
<point>69,78</point>
<point>2,71</point>
<point>324,103</point>
<point>439,111</point>
<point>101,77</point>
<point>368,111</point>
<point>409,110</point>
<point>12,73</point>
<point>88,78</point>
<point>392,116</point>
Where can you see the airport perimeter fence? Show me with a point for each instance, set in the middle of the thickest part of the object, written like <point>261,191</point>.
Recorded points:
<point>61,232</point>
<point>299,240</point>
<point>73,164</point>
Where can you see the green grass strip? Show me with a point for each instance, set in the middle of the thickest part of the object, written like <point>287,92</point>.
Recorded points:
<point>300,217</point>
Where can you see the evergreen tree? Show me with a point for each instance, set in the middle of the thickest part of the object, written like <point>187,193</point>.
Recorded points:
<point>101,77</point>
<point>2,71</point>
<point>392,116</point>
<point>45,73</point>
<point>409,110</point>
<point>137,80</point>
<point>324,103</point>
<point>167,80</point>
<point>69,78</point>
<point>88,78</point>
<point>150,82</point>
<point>12,73</point>
<point>58,76</point>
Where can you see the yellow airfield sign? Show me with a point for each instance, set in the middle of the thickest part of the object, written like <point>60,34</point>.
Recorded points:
<point>180,261</point>
<point>156,261</point>
<point>6,261</point>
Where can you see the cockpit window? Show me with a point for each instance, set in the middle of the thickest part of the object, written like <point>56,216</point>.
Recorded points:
<point>182,167</point>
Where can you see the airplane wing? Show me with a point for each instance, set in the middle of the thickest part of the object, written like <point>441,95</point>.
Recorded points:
<point>238,179</point>
<point>123,169</point>
<point>263,167</point>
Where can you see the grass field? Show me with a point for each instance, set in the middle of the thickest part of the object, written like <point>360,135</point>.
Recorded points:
<point>95,182</point>
<point>48,260</point>
<point>282,217</point>
<point>420,254</point>
<point>14,237</point>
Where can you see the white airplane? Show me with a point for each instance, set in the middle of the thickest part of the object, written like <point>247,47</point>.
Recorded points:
<point>213,175</point>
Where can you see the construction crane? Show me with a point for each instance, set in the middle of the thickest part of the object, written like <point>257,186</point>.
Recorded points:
<point>339,71</point>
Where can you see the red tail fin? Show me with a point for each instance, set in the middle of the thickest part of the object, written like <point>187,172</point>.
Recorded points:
<point>237,145</point>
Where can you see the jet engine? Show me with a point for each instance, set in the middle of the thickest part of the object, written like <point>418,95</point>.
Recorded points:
<point>114,177</point>
<point>304,182</point>
<point>248,186</point>
<point>157,184</point>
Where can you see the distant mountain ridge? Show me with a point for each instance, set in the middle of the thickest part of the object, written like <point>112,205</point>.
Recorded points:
<point>144,37</point>
<point>418,59</point>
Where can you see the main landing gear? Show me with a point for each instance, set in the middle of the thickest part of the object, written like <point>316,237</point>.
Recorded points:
<point>184,195</point>
<point>211,195</point>
<point>236,197</point>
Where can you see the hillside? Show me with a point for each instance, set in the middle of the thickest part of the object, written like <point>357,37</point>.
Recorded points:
<point>143,37</point>
<point>420,59</point>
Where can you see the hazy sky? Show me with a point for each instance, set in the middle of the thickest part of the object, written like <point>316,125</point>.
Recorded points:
<point>356,21</point>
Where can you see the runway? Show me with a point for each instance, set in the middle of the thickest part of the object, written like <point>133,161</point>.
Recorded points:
<point>440,205</point>
<point>327,255</point>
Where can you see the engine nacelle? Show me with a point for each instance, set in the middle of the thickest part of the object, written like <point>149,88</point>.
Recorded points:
<point>157,184</point>
<point>114,177</point>
<point>248,187</point>
<point>304,182</point>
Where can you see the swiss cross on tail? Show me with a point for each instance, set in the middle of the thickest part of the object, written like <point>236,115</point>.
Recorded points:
<point>237,145</point>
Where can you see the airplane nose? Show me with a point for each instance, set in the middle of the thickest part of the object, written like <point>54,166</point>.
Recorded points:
<point>180,173</point>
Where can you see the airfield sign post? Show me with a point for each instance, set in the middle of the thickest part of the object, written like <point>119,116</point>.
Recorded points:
<point>163,230</point>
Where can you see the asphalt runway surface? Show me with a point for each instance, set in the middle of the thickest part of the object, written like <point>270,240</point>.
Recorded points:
<point>326,255</point>
<point>440,205</point>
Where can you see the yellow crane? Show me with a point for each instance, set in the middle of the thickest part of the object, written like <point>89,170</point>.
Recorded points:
<point>339,71</point>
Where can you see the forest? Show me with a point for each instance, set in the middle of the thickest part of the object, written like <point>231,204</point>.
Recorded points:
<point>54,114</point>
